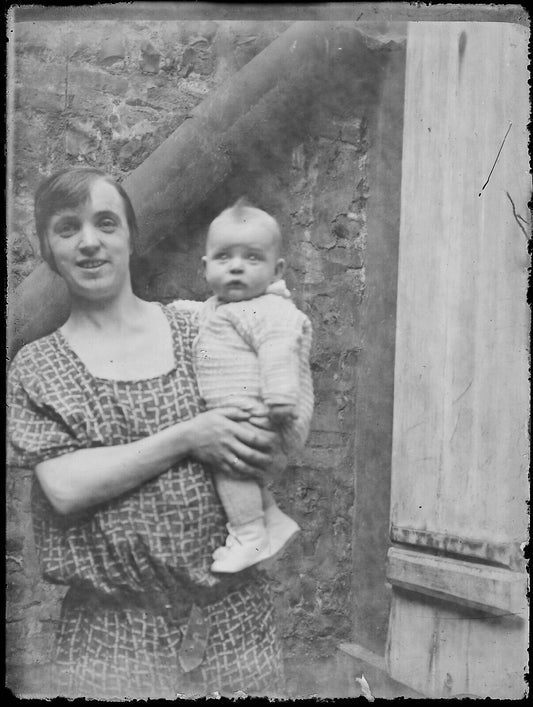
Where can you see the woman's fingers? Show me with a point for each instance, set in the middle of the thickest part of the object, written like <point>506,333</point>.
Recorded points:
<point>236,468</point>
<point>254,431</point>
<point>261,421</point>
<point>257,437</point>
<point>231,423</point>
<point>233,413</point>
<point>235,447</point>
<point>248,455</point>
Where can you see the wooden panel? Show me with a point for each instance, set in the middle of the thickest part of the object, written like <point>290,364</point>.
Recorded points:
<point>509,554</point>
<point>365,655</point>
<point>460,442</point>
<point>492,589</point>
<point>460,447</point>
<point>443,652</point>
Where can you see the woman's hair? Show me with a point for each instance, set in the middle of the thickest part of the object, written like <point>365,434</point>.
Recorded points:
<point>68,189</point>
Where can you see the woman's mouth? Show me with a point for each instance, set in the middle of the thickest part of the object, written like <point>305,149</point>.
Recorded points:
<point>91,264</point>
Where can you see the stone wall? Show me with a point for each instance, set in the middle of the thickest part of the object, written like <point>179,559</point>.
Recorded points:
<point>106,94</point>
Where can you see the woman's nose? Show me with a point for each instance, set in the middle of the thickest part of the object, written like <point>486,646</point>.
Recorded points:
<point>89,238</point>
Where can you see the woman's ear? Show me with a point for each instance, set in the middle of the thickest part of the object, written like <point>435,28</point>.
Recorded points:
<point>280,268</point>
<point>204,263</point>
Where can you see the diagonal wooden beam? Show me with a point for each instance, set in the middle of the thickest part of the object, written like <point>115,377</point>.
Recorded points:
<point>264,109</point>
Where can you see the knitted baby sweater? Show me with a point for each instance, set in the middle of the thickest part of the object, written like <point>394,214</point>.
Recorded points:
<point>256,352</point>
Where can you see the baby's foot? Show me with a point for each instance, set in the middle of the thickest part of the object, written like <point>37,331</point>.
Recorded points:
<point>280,528</point>
<point>245,546</point>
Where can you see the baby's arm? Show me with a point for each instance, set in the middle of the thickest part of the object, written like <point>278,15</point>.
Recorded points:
<point>279,363</point>
<point>285,376</point>
<point>272,327</point>
<point>279,370</point>
<point>281,415</point>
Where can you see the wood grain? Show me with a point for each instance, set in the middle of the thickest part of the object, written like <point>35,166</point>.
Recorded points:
<point>460,441</point>
<point>460,447</point>
<point>492,589</point>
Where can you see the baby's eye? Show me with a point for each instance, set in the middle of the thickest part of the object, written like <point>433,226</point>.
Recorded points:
<point>222,256</point>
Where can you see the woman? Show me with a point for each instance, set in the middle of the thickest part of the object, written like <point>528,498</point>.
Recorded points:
<point>106,410</point>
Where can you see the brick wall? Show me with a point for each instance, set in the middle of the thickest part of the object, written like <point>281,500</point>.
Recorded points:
<point>106,94</point>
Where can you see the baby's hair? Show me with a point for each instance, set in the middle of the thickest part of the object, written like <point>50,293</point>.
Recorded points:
<point>241,204</point>
<point>242,211</point>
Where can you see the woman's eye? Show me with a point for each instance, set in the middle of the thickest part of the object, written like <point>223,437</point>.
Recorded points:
<point>66,229</point>
<point>107,225</point>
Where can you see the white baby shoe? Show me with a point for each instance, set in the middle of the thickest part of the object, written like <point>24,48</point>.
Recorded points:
<point>280,528</point>
<point>245,546</point>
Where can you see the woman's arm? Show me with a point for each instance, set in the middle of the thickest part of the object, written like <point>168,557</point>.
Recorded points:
<point>81,479</point>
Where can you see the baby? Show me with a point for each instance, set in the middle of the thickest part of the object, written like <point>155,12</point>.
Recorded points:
<point>252,352</point>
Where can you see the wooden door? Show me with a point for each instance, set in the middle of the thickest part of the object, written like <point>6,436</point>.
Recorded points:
<point>460,439</point>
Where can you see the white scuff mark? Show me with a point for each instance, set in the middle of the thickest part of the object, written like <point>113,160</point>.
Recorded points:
<point>365,688</point>
<point>14,559</point>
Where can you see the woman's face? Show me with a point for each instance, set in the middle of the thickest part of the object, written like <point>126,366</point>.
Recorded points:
<point>91,244</point>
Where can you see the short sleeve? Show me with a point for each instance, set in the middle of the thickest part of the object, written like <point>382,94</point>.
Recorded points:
<point>186,305</point>
<point>35,432</point>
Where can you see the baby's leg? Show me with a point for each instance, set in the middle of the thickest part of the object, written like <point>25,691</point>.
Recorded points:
<point>247,542</point>
<point>241,498</point>
<point>280,527</point>
<point>267,499</point>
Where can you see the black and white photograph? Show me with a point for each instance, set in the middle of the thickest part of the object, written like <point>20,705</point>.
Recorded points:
<point>324,210</point>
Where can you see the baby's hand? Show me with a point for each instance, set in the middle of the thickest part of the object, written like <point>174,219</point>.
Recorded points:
<point>282,414</point>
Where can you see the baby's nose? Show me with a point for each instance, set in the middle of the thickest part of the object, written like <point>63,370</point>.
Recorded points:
<point>236,264</point>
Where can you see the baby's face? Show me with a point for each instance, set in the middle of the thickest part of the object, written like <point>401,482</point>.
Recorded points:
<point>241,260</point>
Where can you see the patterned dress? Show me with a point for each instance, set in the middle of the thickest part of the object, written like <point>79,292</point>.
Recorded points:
<point>137,566</point>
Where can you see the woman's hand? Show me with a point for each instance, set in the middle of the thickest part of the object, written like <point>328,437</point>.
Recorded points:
<point>232,441</point>
<point>235,443</point>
